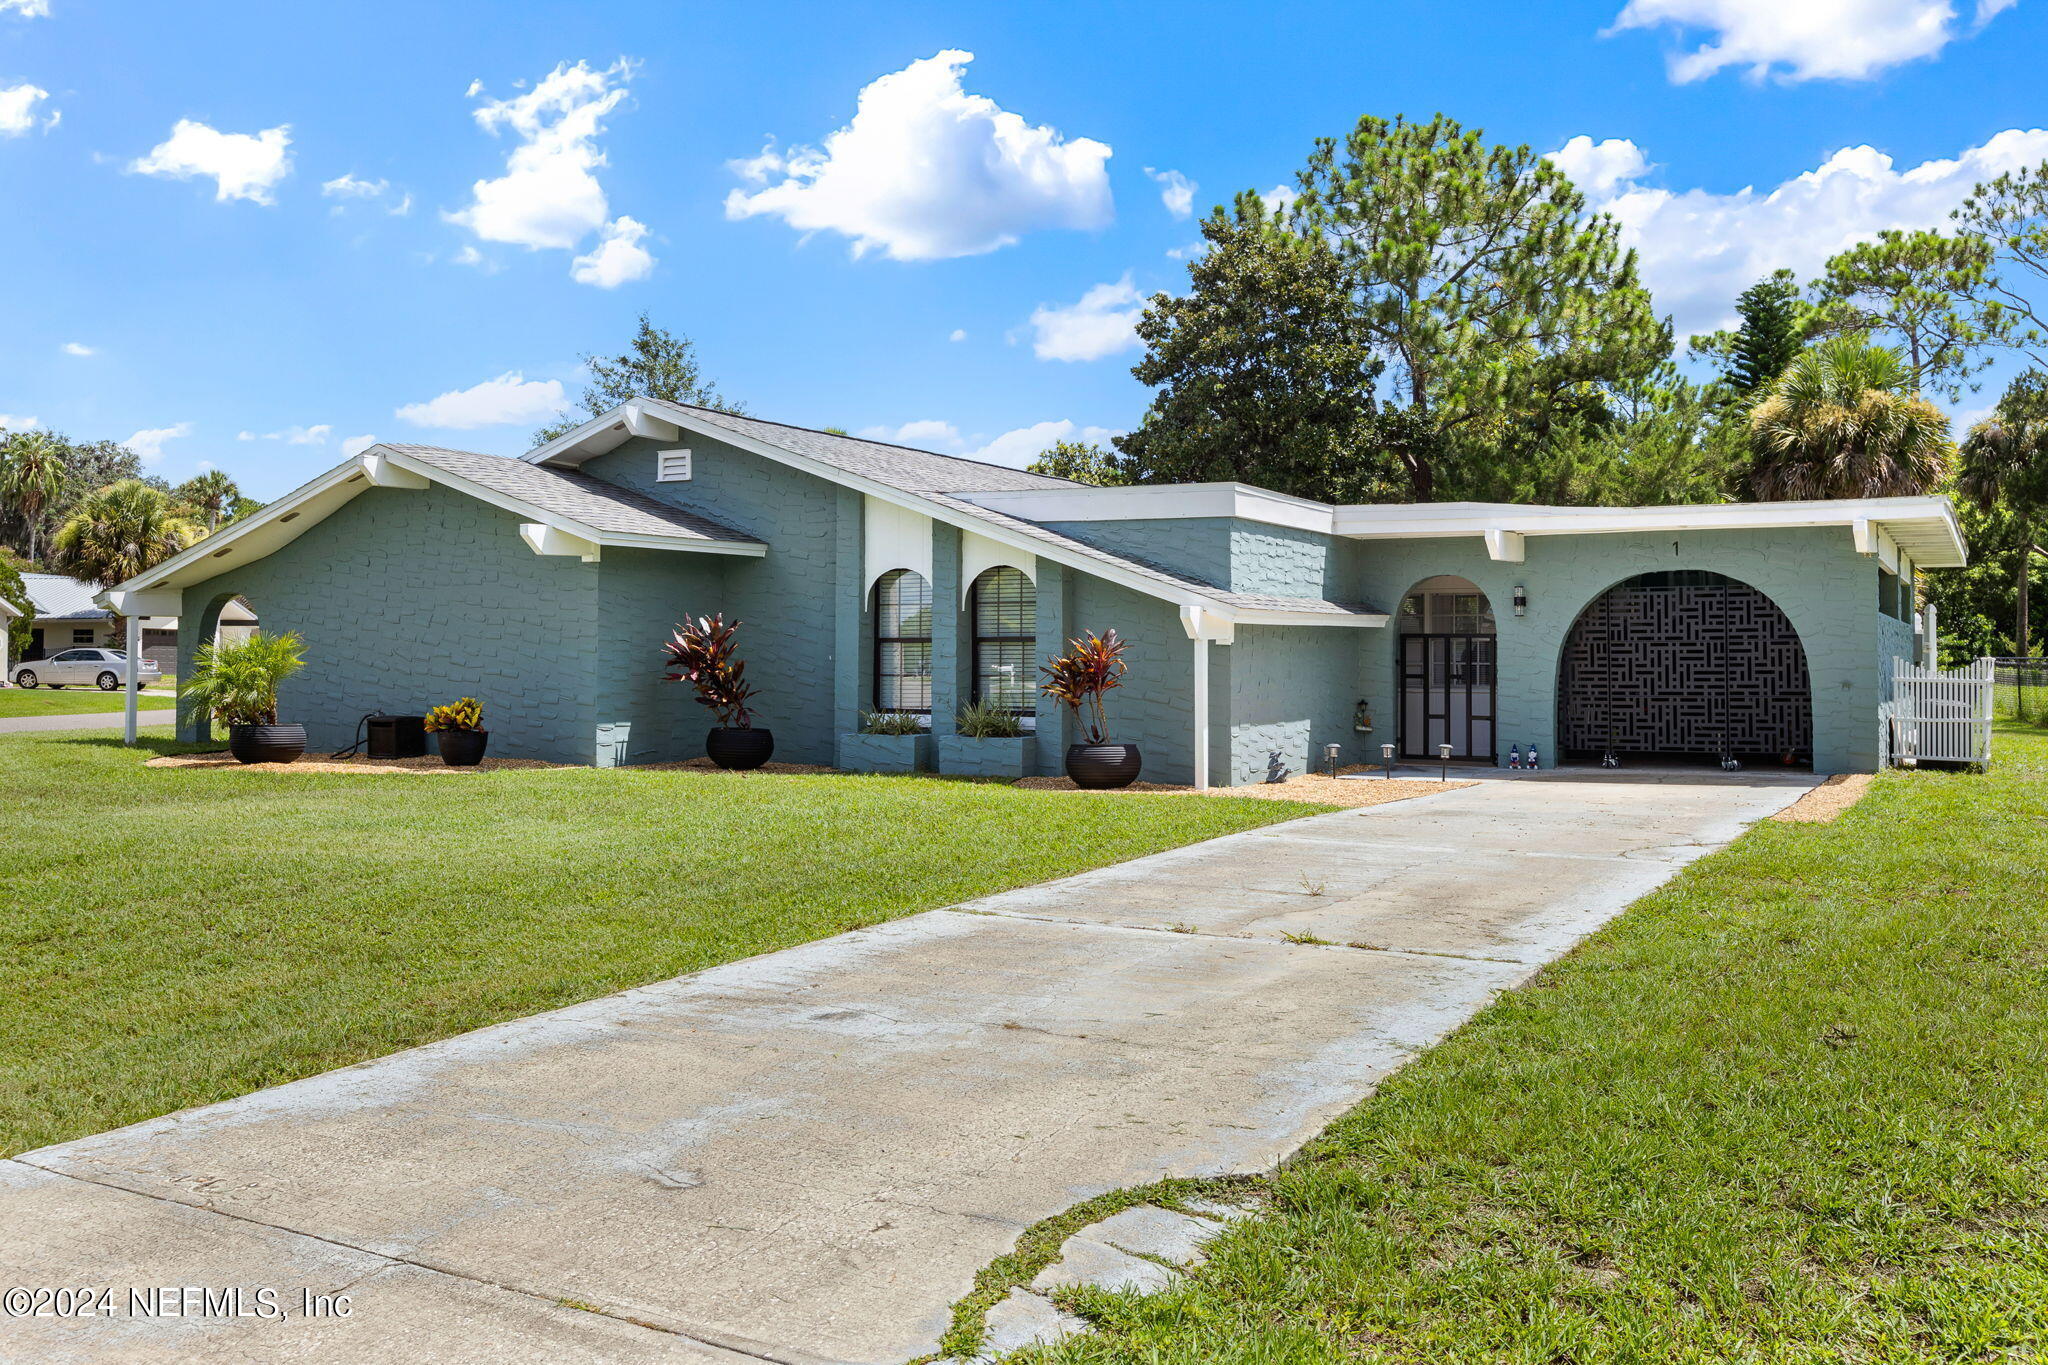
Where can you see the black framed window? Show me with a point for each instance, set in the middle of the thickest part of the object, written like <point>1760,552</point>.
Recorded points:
<point>1005,611</point>
<point>903,642</point>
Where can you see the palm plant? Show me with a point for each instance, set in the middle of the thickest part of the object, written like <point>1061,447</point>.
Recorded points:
<point>237,682</point>
<point>1842,422</point>
<point>2005,460</point>
<point>212,493</point>
<point>1091,666</point>
<point>32,473</point>
<point>120,531</point>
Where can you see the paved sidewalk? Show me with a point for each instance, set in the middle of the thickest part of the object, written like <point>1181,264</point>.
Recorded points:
<point>107,720</point>
<point>806,1156</point>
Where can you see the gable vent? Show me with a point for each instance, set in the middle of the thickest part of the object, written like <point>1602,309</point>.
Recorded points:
<point>671,466</point>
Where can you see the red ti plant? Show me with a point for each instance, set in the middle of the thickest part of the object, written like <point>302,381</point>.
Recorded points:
<point>1090,667</point>
<point>700,653</point>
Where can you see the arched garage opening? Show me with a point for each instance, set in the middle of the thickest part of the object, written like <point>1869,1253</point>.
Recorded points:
<point>1447,669</point>
<point>1684,666</point>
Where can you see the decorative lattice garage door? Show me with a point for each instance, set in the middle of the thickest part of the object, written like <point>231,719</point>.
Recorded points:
<point>1685,663</point>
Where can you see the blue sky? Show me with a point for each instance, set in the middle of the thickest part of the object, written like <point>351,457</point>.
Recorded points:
<point>318,224</point>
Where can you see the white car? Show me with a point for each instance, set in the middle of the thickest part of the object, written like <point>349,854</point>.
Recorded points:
<point>106,669</point>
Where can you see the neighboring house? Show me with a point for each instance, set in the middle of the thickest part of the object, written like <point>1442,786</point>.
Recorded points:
<point>67,617</point>
<point>874,577</point>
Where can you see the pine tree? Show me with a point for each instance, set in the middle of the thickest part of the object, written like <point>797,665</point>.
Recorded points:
<point>1771,334</point>
<point>660,364</point>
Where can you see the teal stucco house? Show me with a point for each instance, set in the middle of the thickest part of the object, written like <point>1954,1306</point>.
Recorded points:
<point>871,577</point>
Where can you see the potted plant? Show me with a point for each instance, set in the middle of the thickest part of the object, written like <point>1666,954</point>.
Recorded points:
<point>887,742</point>
<point>459,729</point>
<point>987,741</point>
<point>1090,667</point>
<point>236,683</point>
<point>700,653</point>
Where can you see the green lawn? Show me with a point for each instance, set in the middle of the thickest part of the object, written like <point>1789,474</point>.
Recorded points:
<point>1793,1107</point>
<point>73,701</point>
<point>177,936</point>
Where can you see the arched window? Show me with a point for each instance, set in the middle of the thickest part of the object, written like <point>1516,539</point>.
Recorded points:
<point>1005,611</point>
<point>903,642</point>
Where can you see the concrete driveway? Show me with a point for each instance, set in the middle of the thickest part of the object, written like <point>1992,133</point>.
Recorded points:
<point>806,1156</point>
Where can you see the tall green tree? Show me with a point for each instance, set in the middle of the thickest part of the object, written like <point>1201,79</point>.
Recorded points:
<point>1926,294</point>
<point>1264,369</point>
<point>2009,214</point>
<point>2005,464</point>
<point>656,364</point>
<point>1843,422</point>
<point>1081,461</point>
<point>14,592</point>
<point>32,474</point>
<point>212,494</point>
<point>1773,329</point>
<point>1480,280</point>
<point>118,531</point>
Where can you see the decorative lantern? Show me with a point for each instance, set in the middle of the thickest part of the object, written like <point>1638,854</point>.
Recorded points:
<point>1443,753</point>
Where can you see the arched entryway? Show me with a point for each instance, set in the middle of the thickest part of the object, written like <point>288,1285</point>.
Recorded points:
<point>1684,665</point>
<point>1447,673</point>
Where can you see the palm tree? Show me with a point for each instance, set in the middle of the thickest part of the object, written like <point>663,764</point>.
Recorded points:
<point>118,531</point>
<point>2005,459</point>
<point>32,472</point>
<point>1842,422</point>
<point>213,493</point>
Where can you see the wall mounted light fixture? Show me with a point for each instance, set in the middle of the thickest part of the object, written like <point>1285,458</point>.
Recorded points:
<point>1521,600</point>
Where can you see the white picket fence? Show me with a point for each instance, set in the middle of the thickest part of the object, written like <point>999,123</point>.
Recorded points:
<point>1938,715</point>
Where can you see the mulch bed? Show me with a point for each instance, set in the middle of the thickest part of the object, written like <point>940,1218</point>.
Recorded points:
<point>1827,801</point>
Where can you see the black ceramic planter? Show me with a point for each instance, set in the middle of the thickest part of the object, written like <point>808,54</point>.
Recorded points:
<point>739,749</point>
<point>267,743</point>
<point>463,748</point>
<point>1101,766</point>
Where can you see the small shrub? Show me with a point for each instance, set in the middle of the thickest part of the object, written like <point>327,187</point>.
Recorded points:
<point>702,654</point>
<point>891,723</point>
<point>984,720</point>
<point>467,714</point>
<point>236,682</point>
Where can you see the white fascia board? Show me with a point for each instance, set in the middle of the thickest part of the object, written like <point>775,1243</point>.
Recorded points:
<point>1256,616</point>
<point>142,603</point>
<point>939,512</point>
<point>346,478</point>
<point>1159,502</point>
<point>568,525</point>
<point>602,434</point>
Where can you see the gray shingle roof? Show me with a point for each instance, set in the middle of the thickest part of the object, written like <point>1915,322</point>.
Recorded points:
<point>913,471</point>
<point>58,597</point>
<point>592,502</point>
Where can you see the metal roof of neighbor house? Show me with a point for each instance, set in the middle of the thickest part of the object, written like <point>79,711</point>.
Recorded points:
<point>593,502</point>
<point>60,597</point>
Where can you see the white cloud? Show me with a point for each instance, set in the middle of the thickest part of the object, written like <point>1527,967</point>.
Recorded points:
<point>511,397</point>
<point>356,445</point>
<point>401,208</point>
<point>349,187</point>
<point>1020,447</point>
<point>10,421</point>
<point>1700,249</point>
<point>926,433</point>
<point>1176,191</point>
<point>549,196</point>
<point>27,9</point>
<point>1597,168</point>
<point>618,257</point>
<point>245,436</point>
<point>958,334</point>
<point>925,171</point>
<point>469,255</point>
<point>78,348</point>
<point>18,109</point>
<point>1803,39</point>
<point>148,444</point>
<point>1099,324</point>
<point>242,167</point>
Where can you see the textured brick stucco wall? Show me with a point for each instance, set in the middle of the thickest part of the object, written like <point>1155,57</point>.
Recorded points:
<point>407,599</point>
<point>1894,641</point>
<point>788,599</point>
<point>1243,556</point>
<point>641,596</point>
<point>1152,709</point>
<point>1814,575</point>
<point>1291,692</point>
